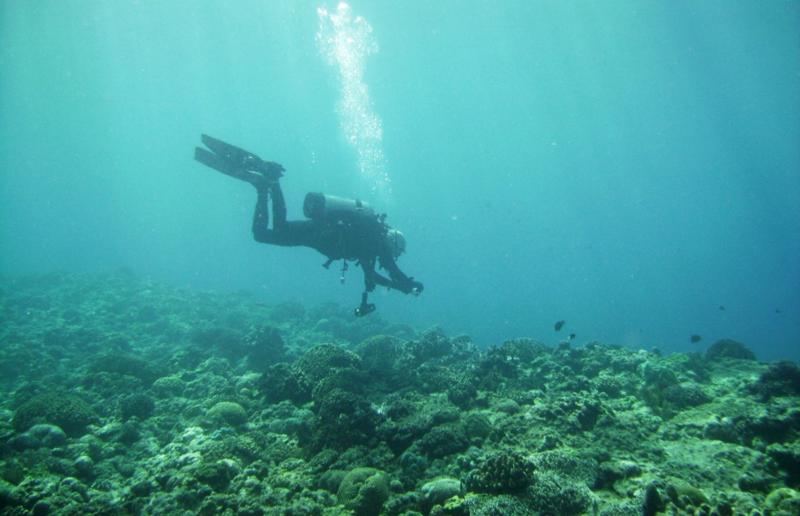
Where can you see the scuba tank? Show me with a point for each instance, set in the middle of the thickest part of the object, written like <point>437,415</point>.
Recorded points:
<point>322,207</point>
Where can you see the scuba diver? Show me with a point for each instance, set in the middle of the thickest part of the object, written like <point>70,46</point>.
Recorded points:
<point>341,229</point>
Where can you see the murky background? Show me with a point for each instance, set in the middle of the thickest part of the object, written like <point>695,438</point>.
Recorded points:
<point>632,168</point>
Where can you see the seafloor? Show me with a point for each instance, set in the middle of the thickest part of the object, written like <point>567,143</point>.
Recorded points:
<point>121,396</point>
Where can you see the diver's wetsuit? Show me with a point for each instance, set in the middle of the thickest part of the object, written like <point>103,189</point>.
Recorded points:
<point>350,238</point>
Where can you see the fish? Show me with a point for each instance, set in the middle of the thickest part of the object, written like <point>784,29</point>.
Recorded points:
<point>695,338</point>
<point>558,325</point>
<point>571,336</point>
<point>722,307</point>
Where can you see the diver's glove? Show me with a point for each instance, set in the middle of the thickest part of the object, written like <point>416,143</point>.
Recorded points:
<point>411,287</point>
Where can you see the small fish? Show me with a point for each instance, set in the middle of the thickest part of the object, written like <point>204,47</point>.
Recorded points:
<point>558,325</point>
<point>571,336</point>
<point>722,307</point>
<point>778,311</point>
<point>695,338</point>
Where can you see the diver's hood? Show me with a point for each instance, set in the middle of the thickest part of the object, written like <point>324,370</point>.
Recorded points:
<point>396,242</point>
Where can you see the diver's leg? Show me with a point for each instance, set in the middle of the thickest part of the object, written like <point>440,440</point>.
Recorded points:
<point>291,233</point>
<point>261,216</point>
<point>296,232</point>
<point>278,206</point>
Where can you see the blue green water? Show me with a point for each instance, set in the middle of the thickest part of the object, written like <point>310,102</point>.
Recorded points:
<point>628,166</point>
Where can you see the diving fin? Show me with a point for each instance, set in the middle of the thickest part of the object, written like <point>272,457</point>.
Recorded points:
<point>236,156</point>
<point>233,161</point>
<point>213,161</point>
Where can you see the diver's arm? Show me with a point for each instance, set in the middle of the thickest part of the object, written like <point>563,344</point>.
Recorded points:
<point>371,277</point>
<point>399,281</point>
<point>382,281</point>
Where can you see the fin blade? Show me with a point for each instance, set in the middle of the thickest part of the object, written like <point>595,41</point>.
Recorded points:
<point>211,160</point>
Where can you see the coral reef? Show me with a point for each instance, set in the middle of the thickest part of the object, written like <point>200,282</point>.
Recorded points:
<point>122,396</point>
<point>503,472</point>
<point>67,411</point>
<point>728,348</point>
<point>781,379</point>
<point>228,412</point>
<point>136,405</point>
<point>364,491</point>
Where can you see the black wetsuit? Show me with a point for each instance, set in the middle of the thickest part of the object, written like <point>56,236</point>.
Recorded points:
<point>360,239</point>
